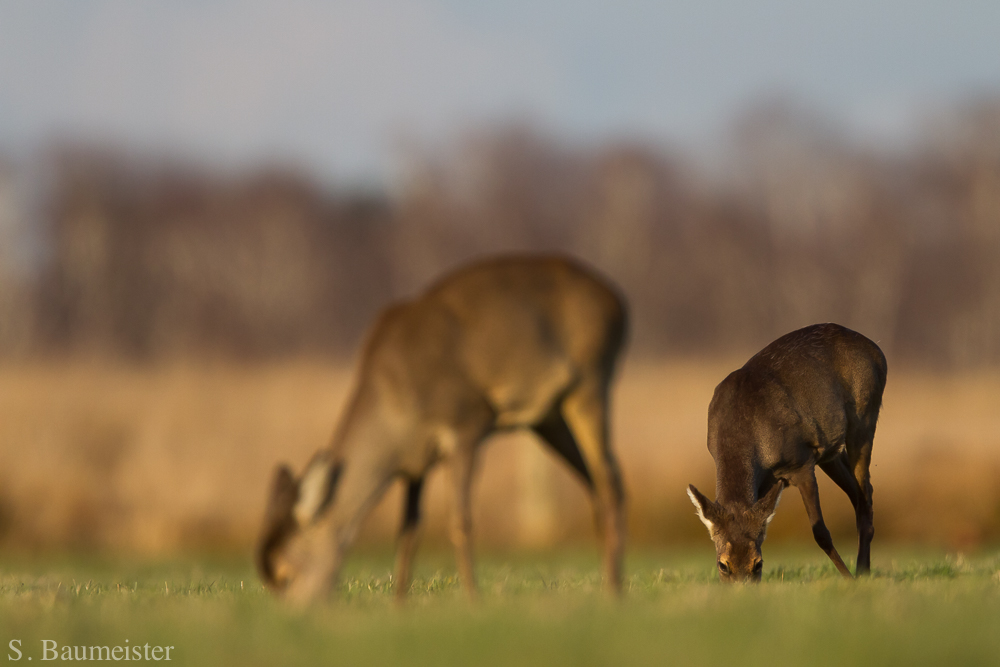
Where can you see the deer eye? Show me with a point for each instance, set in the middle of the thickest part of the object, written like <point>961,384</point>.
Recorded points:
<point>758,567</point>
<point>723,568</point>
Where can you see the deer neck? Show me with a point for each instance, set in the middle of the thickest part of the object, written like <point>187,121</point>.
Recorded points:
<point>371,424</point>
<point>737,478</point>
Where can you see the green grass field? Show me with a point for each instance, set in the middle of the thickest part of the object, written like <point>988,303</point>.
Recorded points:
<point>917,609</point>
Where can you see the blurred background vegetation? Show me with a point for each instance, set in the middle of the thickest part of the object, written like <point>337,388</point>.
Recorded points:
<point>147,259</point>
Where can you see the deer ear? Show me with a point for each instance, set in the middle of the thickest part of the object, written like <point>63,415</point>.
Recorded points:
<point>279,522</point>
<point>316,490</point>
<point>704,507</point>
<point>284,493</point>
<point>768,505</point>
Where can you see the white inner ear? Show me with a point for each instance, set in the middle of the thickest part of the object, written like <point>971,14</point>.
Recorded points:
<point>701,514</point>
<point>775,510</point>
<point>312,491</point>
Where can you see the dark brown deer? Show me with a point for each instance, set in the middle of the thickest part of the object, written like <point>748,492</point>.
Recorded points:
<point>506,343</point>
<point>810,398</point>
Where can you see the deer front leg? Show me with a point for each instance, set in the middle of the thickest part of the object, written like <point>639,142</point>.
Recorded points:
<point>461,517</point>
<point>805,481</point>
<point>409,536</point>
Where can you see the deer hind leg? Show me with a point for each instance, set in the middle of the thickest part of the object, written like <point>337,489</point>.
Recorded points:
<point>865,513</point>
<point>360,486</point>
<point>555,432</point>
<point>585,410</point>
<point>409,536</point>
<point>805,481</point>
<point>839,470</point>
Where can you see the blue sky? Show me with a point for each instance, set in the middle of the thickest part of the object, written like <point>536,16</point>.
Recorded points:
<point>343,87</point>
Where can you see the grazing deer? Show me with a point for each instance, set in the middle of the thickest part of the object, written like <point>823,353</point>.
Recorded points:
<point>505,343</point>
<point>810,398</point>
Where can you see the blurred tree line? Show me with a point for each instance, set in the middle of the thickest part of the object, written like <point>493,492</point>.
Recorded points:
<point>108,254</point>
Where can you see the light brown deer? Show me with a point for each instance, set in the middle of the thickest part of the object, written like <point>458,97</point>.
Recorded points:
<point>810,398</point>
<point>510,342</point>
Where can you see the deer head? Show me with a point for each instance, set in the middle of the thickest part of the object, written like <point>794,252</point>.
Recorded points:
<point>738,532</point>
<point>293,507</point>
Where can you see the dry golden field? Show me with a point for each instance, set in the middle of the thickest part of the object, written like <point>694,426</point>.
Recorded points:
<point>162,459</point>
